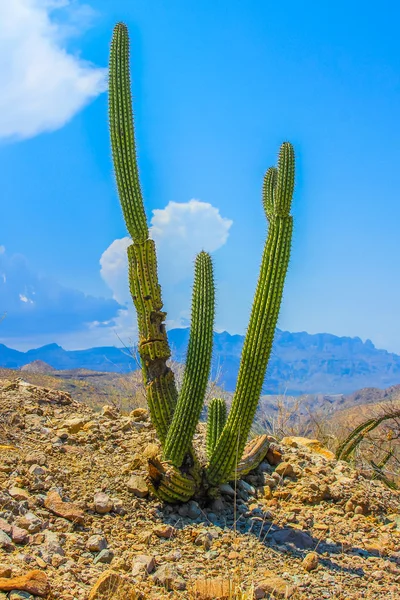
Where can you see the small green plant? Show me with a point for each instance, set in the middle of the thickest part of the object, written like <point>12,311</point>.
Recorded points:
<point>177,475</point>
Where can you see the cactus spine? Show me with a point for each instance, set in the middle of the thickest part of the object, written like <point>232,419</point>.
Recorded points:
<point>277,192</point>
<point>215,423</point>
<point>177,474</point>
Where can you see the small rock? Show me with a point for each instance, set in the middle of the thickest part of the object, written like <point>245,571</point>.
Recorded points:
<point>6,542</point>
<point>300,539</point>
<point>18,595</point>
<point>194,510</point>
<point>96,543</point>
<point>19,494</point>
<point>105,556</point>
<point>274,455</point>
<point>5,526</point>
<point>29,521</point>
<point>138,486</point>
<point>102,503</point>
<point>111,586</point>
<point>169,578</point>
<point>274,585</point>
<point>204,539</point>
<point>36,458</point>
<point>35,582</point>
<point>110,412</point>
<point>67,510</point>
<point>227,489</point>
<point>37,470</point>
<point>74,425</point>
<point>18,535</point>
<point>349,507</point>
<point>165,531</point>
<point>217,506</point>
<point>310,561</point>
<point>139,414</point>
<point>143,563</point>
<point>5,571</point>
<point>285,469</point>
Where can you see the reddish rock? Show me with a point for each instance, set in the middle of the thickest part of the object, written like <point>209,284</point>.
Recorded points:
<point>274,455</point>
<point>18,535</point>
<point>67,510</point>
<point>34,582</point>
<point>164,531</point>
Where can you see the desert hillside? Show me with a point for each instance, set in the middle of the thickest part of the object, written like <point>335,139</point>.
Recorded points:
<point>77,521</point>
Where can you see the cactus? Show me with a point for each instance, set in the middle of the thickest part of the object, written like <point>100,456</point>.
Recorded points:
<point>198,362</point>
<point>215,423</point>
<point>153,345</point>
<point>177,475</point>
<point>277,196</point>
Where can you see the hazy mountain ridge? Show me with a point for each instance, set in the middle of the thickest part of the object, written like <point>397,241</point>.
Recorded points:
<point>301,363</point>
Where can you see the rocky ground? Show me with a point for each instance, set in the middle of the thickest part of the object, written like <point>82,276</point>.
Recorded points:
<point>77,522</point>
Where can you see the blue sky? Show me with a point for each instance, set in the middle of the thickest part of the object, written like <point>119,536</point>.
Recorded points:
<point>217,86</point>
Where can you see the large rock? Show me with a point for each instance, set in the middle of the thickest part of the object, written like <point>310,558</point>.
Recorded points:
<point>312,445</point>
<point>169,578</point>
<point>67,510</point>
<point>138,486</point>
<point>34,582</point>
<point>300,539</point>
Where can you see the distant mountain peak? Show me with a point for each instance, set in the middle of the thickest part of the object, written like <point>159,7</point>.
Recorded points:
<point>38,366</point>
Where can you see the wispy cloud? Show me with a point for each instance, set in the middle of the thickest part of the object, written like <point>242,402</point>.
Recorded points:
<point>43,85</point>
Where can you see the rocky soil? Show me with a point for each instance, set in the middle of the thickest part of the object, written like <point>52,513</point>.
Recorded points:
<point>77,521</point>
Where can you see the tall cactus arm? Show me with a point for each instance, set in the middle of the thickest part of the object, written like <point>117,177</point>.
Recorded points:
<point>269,186</point>
<point>198,362</point>
<point>123,138</point>
<point>143,278</point>
<point>263,319</point>
<point>215,423</point>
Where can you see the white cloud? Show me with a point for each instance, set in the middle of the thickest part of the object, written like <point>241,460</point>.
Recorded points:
<point>43,86</point>
<point>114,269</point>
<point>180,231</point>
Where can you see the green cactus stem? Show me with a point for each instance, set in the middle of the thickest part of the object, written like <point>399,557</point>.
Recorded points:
<point>278,191</point>
<point>153,345</point>
<point>123,138</point>
<point>215,423</point>
<point>198,362</point>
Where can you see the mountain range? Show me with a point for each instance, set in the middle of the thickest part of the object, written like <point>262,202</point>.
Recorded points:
<point>301,363</point>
